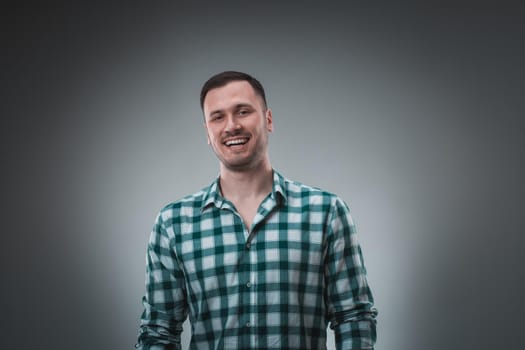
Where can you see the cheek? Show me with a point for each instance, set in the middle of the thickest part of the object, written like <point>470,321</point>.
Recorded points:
<point>211,135</point>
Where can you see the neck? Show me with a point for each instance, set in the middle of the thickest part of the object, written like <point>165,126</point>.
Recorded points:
<point>248,183</point>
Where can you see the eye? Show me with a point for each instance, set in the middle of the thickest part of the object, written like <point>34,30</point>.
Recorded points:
<point>216,117</point>
<point>244,112</point>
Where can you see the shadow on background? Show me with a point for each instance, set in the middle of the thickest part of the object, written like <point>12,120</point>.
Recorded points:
<point>413,114</point>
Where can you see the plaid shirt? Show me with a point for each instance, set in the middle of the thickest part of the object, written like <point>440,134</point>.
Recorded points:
<point>276,285</point>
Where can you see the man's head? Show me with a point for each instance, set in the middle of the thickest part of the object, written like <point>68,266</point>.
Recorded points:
<point>224,78</point>
<point>237,121</point>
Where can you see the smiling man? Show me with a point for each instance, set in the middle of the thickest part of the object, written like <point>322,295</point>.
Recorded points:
<point>257,261</point>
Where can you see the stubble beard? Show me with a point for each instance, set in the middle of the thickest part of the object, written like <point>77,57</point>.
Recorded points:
<point>246,163</point>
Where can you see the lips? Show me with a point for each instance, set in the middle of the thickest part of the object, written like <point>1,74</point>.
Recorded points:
<point>236,141</point>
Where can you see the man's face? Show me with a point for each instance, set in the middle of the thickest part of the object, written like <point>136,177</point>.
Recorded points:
<point>237,124</point>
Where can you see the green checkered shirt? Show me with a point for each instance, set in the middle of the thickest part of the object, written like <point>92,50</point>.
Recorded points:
<point>274,286</point>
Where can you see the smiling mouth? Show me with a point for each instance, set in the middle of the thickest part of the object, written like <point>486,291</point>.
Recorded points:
<point>236,141</point>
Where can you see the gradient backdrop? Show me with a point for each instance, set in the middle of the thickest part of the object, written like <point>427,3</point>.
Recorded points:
<point>412,113</point>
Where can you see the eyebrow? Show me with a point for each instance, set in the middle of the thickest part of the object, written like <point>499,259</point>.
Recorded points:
<point>242,105</point>
<point>237,106</point>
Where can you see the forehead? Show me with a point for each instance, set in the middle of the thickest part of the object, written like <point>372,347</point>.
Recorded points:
<point>231,94</point>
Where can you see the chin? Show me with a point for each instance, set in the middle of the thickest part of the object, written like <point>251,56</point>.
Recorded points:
<point>239,165</point>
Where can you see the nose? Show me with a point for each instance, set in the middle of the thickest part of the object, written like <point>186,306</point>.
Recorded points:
<point>232,125</point>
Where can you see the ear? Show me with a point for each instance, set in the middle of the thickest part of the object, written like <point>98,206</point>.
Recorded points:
<point>207,134</point>
<point>269,120</point>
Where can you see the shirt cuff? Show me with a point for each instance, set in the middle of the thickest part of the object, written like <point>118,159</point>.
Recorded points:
<point>355,335</point>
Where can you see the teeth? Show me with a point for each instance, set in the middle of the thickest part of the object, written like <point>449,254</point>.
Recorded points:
<point>236,142</point>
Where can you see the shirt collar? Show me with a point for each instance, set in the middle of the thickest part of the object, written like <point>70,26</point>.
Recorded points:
<point>279,188</point>
<point>212,195</point>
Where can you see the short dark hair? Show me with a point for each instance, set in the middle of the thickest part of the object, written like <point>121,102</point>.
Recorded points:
<point>221,79</point>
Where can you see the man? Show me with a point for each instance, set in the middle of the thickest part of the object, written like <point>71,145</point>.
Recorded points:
<point>256,260</point>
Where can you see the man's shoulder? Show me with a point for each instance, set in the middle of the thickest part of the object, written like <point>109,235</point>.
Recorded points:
<point>188,204</point>
<point>300,190</point>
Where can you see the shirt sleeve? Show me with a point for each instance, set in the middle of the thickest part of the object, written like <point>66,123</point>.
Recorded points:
<point>348,297</point>
<point>165,305</point>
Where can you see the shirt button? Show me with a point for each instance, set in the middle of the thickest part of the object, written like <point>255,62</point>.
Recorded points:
<point>248,284</point>
<point>248,245</point>
<point>248,324</point>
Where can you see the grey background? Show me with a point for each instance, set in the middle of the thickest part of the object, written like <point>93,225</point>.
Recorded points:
<point>412,113</point>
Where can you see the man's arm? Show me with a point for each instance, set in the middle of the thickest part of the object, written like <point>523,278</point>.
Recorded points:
<point>348,296</point>
<point>165,306</point>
